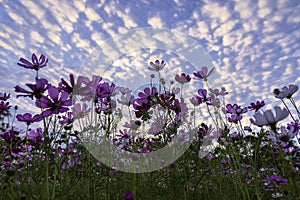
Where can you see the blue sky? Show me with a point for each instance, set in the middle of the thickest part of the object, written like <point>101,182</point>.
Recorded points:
<point>254,45</point>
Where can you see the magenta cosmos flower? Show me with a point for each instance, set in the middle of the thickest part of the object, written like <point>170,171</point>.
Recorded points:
<point>57,103</point>
<point>36,63</point>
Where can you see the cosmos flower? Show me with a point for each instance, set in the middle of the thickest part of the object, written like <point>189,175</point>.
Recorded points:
<point>286,92</point>
<point>194,101</point>
<point>234,118</point>
<point>124,135</point>
<point>203,130</point>
<point>11,136</point>
<point>204,73</point>
<point>183,78</point>
<point>157,66</point>
<point>148,96</point>
<point>122,90</point>
<point>67,120</point>
<point>36,136</point>
<point>4,109</point>
<point>104,90</point>
<point>72,88</point>
<point>268,118</point>
<point>36,63</point>
<point>218,92</point>
<point>159,123</point>
<point>256,106</point>
<point>57,103</point>
<point>295,126</point>
<point>28,118</point>
<point>126,99</point>
<point>285,135</point>
<point>80,111</point>
<point>202,97</point>
<point>276,181</point>
<point>4,96</point>
<point>234,109</point>
<point>37,89</point>
<point>128,196</point>
<point>89,90</point>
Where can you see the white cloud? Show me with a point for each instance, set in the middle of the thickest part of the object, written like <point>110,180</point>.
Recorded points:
<point>156,22</point>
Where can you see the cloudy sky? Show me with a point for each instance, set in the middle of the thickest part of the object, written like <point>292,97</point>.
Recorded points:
<point>253,44</point>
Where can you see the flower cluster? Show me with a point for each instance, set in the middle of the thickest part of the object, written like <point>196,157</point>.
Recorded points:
<point>155,116</point>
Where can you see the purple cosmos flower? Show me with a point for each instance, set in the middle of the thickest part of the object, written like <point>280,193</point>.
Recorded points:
<point>294,125</point>
<point>126,99</point>
<point>175,90</point>
<point>67,120</point>
<point>256,106</point>
<point>234,118</point>
<point>4,96</point>
<point>27,117</point>
<point>176,106</point>
<point>72,88</point>
<point>89,91</point>
<point>277,180</point>
<point>234,109</point>
<point>80,111</point>
<point>183,78</point>
<point>128,196</point>
<point>203,130</point>
<point>166,99</point>
<point>37,89</point>
<point>194,101</point>
<point>36,63</point>
<point>37,137</point>
<point>148,96</point>
<point>202,97</point>
<point>57,103</point>
<point>124,135</point>
<point>284,136</point>
<point>4,109</point>
<point>11,136</point>
<point>218,92</point>
<point>123,90</point>
<point>286,92</point>
<point>104,90</point>
<point>268,118</point>
<point>106,106</point>
<point>141,111</point>
<point>203,73</point>
<point>236,112</point>
<point>159,123</point>
<point>157,66</point>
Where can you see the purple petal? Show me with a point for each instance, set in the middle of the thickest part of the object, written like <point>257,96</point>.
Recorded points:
<point>47,113</point>
<point>44,102</point>
<point>19,89</point>
<point>34,59</point>
<point>53,93</point>
<point>67,102</point>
